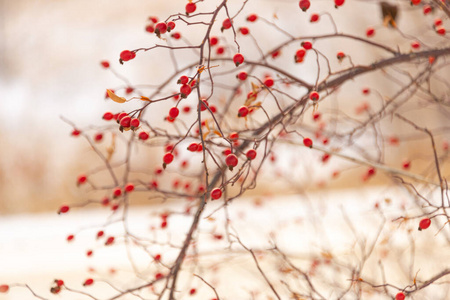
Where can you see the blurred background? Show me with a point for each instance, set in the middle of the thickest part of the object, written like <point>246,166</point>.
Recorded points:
<point>50,54</point>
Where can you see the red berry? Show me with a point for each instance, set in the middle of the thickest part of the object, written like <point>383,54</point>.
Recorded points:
<point>406,164</point>
<point>157,257</point>
<point>129,90</point>
<point>121,116</point>
<point>163,224</point>
<point>75,132</point>
<point>100,233</point>
<point>204,105</point>
<point>300,54</point>
<point>275,53</point>
<point>158,276</point>
<point>316,116</point>
<point>314,18</point>
<point>251,154</point>
<point>185,90</point>
<point>193,147</point>
<point>153,19</point>
<point>168,158</point>
<point>59,282</point>
<point>440,30</point>
<point>81,179</point>
<point>89,253</point>
<point>339,2</point>
<point>400,296</point>
<point>70,237</point>
<point>213,41</point>
<point>268,81</point>
<point>150,28</point>
<point>366,91</point>
<point>125,121</point>
<point>98,137</point>
<point>143,136</point>
<point>238,59</point>
<point>190,8</point>
<point>183,80</point>
<point>304,4</point>
<point>244,30</point>
<point>307,142</point>
<point>63,209</point>
<point>173,112</point>
<point>105,64</point>
<point>226,151</point>
<point>234,136</point>
<point>371,171</point>
<point>242,75</point>
<point>340,55</point>
<point>4,288</point>
<point>134,123</point>
<point>127,55</point>
<point>170,26</point>
<point>216,194</point>
<point>231,160</point>
<point>161,28</point>
<point>226,24</point>
<point>109,241</point>
<point>415,45</point>
<point>426,9</point>
<point>243,111</point>
<point>415,2</point>
<point>252,18</point>
<point>176,35</point>
<point>424,223</point>
<point>314,96</point>
<point>370,32</point>
<point>220,50</point>
<point>117,192</point>
<point>129,188</point>
<point>88,281</point>
<point>306,45</point>
<point>108,116</point>
<point>192,291</point>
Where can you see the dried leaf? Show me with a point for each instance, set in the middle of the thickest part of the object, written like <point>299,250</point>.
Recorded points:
<point>143,98</point>
<point>115,98</point>
<point>217,133</point>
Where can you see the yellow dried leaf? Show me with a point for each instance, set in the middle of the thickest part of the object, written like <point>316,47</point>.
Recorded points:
<point>218,133</point>
<point>115,98</point>
<point>143,98</point>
